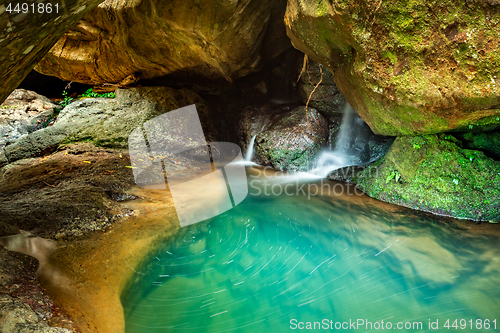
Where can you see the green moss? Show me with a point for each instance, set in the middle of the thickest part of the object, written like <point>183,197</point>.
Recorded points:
<point>488,142</point>
<point>392,57</point>
<point>289,158</point>
<point>447,179</point>
<point>442,54</point>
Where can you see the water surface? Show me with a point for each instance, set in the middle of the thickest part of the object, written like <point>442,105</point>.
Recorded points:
<point>275,261</point>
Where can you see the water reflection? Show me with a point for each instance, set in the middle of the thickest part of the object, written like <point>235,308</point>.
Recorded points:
<point>274,259</point>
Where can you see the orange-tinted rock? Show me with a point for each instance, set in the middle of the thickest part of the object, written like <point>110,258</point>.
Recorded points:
<point>122,41</point>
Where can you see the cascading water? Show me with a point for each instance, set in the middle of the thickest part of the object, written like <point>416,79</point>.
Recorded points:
<point>249,152</point>
<point>342,155</point>
<point>351,148</point>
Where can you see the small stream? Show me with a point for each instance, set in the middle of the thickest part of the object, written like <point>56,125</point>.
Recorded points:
<point>277,263</point>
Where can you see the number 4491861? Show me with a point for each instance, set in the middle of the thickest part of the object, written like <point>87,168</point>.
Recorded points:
<point>34,8</point>
<point>471,324</point>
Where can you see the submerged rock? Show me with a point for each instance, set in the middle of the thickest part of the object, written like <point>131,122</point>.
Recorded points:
<point>407,67</point>
<point>292,140</point>
<point>434,174</point>
<point>123,41</point>
<point>25,37</point>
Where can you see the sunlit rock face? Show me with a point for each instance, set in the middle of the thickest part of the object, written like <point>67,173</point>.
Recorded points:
<point>124,40</point>
<point>26,37</point>
<point>407,67</point>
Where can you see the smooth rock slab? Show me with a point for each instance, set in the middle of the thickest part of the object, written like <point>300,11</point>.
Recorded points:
<point>318,86</point>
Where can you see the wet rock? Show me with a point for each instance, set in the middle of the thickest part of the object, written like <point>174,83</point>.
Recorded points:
<point>24,304</point>
<point>20,112</point>
<point>29,102</point>
<point>64,195</point>
<point>37,143</point>
<point>361,145</point>
<point>292,140</point>
<point>325,97</point>
<point>407,67</point>
<point>26,37</point>
<point>434,174</point>
<point>122,41</point>
<point>17,317</point>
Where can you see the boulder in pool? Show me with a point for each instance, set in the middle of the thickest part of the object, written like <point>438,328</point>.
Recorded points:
<point>292,140</point>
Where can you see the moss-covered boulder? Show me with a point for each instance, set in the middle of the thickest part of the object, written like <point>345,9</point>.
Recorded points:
<point>21,112</point>
<point>292,140</point>
<point>407,67</point>
<point>434,174</point>
<point>122,41</point>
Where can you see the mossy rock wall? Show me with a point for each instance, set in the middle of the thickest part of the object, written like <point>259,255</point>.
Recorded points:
<point>434,174</point>
<point>108,122</point>
<point>407,67</point>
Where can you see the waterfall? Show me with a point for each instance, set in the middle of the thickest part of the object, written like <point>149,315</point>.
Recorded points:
<point>340,157</point>
<point>249,152</point>
<point>346,130</point>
